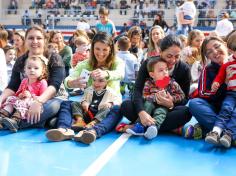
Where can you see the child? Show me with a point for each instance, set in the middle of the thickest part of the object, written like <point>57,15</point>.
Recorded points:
<point>10,54</point>
<point>189,12</point>
<point>158,71</point>
<point>82,50</point>
<point>31,87</point>
<point>94,106</point>
<point>105,24</point>
<point>52,48</point>
<point>131,63</point>
<point>226,75</point>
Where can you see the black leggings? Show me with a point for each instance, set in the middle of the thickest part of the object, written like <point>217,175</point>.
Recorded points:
<point>177,117</point>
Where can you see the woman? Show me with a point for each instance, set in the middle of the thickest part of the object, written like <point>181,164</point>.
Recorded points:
<point>102,56</point>
<point>178,114</point>
<point>64,50</point>
<point>19,42</point>
<point>206,108</point>
<point>45,106</point>
<point>156,34</point>
<point>160,22</point>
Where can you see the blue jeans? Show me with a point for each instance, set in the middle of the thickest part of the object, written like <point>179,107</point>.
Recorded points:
<point>206,115</point>
<point>226,110</point>
<point>65,115</point>
<point>103,127</point>
<point>50,109</point>
<point>109,122</point>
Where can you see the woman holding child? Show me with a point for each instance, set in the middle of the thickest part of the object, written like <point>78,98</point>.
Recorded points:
<point>178,114</point>
<point>209,107</point>
<point>44,106</point>
<point>102,64</point>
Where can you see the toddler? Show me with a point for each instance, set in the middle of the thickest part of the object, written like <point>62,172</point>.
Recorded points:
<point>159,83</point>
<point>15,107</point>
<point>10,55</point>
<point>94,106</point>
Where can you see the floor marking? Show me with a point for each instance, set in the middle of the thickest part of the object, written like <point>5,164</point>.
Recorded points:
<point>99,163</point>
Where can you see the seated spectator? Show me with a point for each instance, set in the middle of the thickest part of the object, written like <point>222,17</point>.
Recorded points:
<point>123,7</point>
<point>211,17</point>
<point>13,6</point>
<point>38,18</point>
<point>25,20</point>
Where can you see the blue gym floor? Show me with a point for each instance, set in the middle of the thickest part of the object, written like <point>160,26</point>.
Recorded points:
<point>29,153</point>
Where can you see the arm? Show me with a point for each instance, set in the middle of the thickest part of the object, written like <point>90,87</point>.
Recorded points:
<point>147,94</point>
<point>74,80</point>
<point>67,55</point>
<point>176,93</point>
<point>118,71</point>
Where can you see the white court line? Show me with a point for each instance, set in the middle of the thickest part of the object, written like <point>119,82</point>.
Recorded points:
<point>99,163</point>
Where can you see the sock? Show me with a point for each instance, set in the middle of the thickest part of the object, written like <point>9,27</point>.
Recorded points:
<point>178,131</point>
<point>217,129</point>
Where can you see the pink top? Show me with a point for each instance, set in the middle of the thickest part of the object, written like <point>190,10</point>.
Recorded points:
<point>36,88</point>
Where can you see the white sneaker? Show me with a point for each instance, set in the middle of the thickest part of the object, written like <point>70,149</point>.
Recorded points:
<point>151,132</point>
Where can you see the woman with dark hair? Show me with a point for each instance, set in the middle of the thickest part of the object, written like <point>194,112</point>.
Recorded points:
<point>160,22</point>
<point>102,64</point>
<point>178,114</point>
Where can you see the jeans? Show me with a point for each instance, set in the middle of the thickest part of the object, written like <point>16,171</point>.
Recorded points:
<point>108,123</point>
<point>65,115</point>
<point>206,115</point>
<point>50,109</point>
<point>226,111</point>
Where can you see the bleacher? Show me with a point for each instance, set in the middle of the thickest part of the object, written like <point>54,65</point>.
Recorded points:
<point>71,19</point>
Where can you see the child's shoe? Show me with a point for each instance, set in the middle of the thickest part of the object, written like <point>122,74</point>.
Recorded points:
<point>151,132</point>
<point>188,132</point>
<point>137,130</point>
<point>226,140</point>
<point>197,132</point>
<point>11,124</point>
<point>79,124</point>
<point>60,134</point>
<point>3,114</point>
<point>86,136</point>
<point>212,138</point>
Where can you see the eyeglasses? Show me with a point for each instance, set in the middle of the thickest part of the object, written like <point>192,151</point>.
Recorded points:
<point>215,47</point>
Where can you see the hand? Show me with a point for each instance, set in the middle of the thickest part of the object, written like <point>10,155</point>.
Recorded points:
<point>85,106</point>
<point>165,100</point>
<point>27,94</point>
<point>77,83</point>
<point>215,86</point>
<point>34,112</point>
<point>106,106</point>
<point>146,119</point>
<point>21,96</point>
<point>99,74</point>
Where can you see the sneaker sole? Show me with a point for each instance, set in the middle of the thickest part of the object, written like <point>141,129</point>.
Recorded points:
<point>57,136</point>
<point>86,138</point>
<point>129,131</point>
<point>11,126</point>
<point>211,141</point>
<point>151,132</point>
<point>225,143</point>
